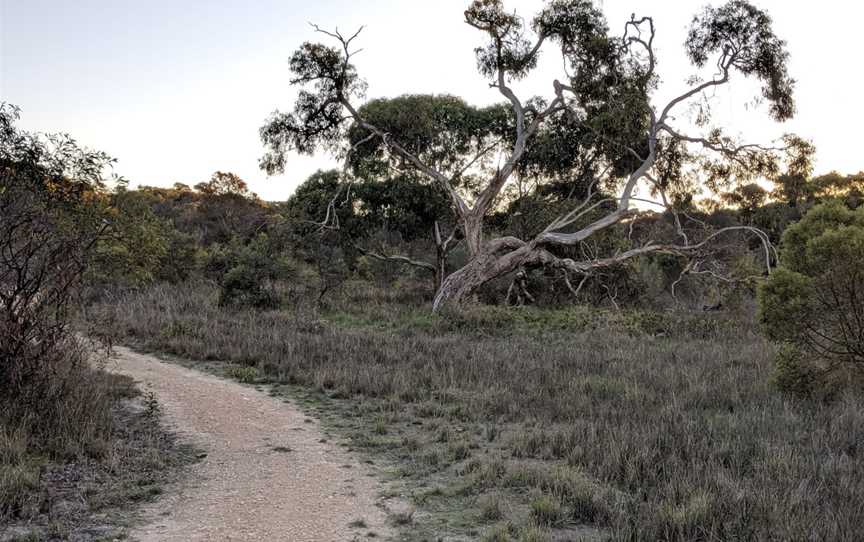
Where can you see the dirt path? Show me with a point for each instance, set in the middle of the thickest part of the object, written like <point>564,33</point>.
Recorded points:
<point>267,474</point>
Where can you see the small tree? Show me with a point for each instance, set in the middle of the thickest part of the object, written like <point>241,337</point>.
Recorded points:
<point>814,302</point>
<point>605,103</point>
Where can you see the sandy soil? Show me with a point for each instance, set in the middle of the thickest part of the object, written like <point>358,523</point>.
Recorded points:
<point>268,474</point>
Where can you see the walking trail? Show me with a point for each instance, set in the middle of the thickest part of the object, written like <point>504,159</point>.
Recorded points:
<point>269,473</point>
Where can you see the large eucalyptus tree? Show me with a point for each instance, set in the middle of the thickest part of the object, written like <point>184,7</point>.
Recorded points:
<point>605,92</point>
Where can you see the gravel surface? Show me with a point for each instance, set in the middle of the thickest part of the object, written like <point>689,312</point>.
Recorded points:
<point>269,474</point>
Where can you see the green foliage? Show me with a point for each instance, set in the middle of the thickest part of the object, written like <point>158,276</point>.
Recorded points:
<point>243,286</point>
<point>317,118</point>
<point>814,302</point>
<point>774,218</point>
<point>835,185</point>
<point>793,373</point>
<point>248,274</point>
<point>439,129</point>
<point>748,198</point>
<point>182,258</point>
<point>817,221</point>
<point>136,249</point>
<point>784,303</point>
<point>216,211</point>
<point>743,34</point>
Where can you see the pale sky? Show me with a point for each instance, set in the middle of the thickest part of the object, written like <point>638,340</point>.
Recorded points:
<point>176,90</point>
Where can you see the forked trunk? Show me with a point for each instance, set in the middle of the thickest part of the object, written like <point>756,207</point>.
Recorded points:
<point>460,284</point>
<point>484,267</point>
<point>453,288</point>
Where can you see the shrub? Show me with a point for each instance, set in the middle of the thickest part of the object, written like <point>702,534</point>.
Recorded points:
<point>814,303</point>
<point>246,286</point>
<point>249,274</point>
<point>181,259</point>
<point>792,373</point>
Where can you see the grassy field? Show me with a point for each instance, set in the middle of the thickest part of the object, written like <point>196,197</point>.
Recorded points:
<point>523,424</point>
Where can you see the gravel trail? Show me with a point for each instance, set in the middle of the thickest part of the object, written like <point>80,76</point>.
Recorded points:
<point>269,473</point>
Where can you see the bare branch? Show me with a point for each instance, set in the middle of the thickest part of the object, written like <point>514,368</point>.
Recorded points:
<point>733,153</point>
<point>724,65</point>
<point>636,24</point>
<point>575,238</point>
<point>575,291</point>
<point>483,152</point>
<point>488,195</point>
<point>680,250</point>
<point>397,258</point>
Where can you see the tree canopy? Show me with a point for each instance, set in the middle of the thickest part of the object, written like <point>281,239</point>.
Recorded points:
<point>599,124</point>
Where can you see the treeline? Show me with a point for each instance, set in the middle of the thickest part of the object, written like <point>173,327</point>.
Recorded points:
<point>387,231</point>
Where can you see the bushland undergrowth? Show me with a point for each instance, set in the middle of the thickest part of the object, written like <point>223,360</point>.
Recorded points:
<point>103,449</point>
<point>526,424</point>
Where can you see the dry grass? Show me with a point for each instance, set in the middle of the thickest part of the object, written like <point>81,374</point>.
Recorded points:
<point>71,466</point>
<point>646,426</point>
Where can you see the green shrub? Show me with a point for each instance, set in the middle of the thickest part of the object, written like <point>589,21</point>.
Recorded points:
<point>245,286</point>
<point>814,303</point>
<point>792,373</point>
<point>250,275</point>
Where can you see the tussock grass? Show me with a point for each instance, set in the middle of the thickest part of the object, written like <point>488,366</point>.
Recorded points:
<point>651,427</point>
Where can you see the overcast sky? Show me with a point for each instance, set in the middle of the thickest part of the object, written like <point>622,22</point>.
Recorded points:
<point>177,90</point>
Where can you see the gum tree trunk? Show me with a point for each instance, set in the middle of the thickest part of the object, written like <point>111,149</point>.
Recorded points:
<point>485,266</point>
